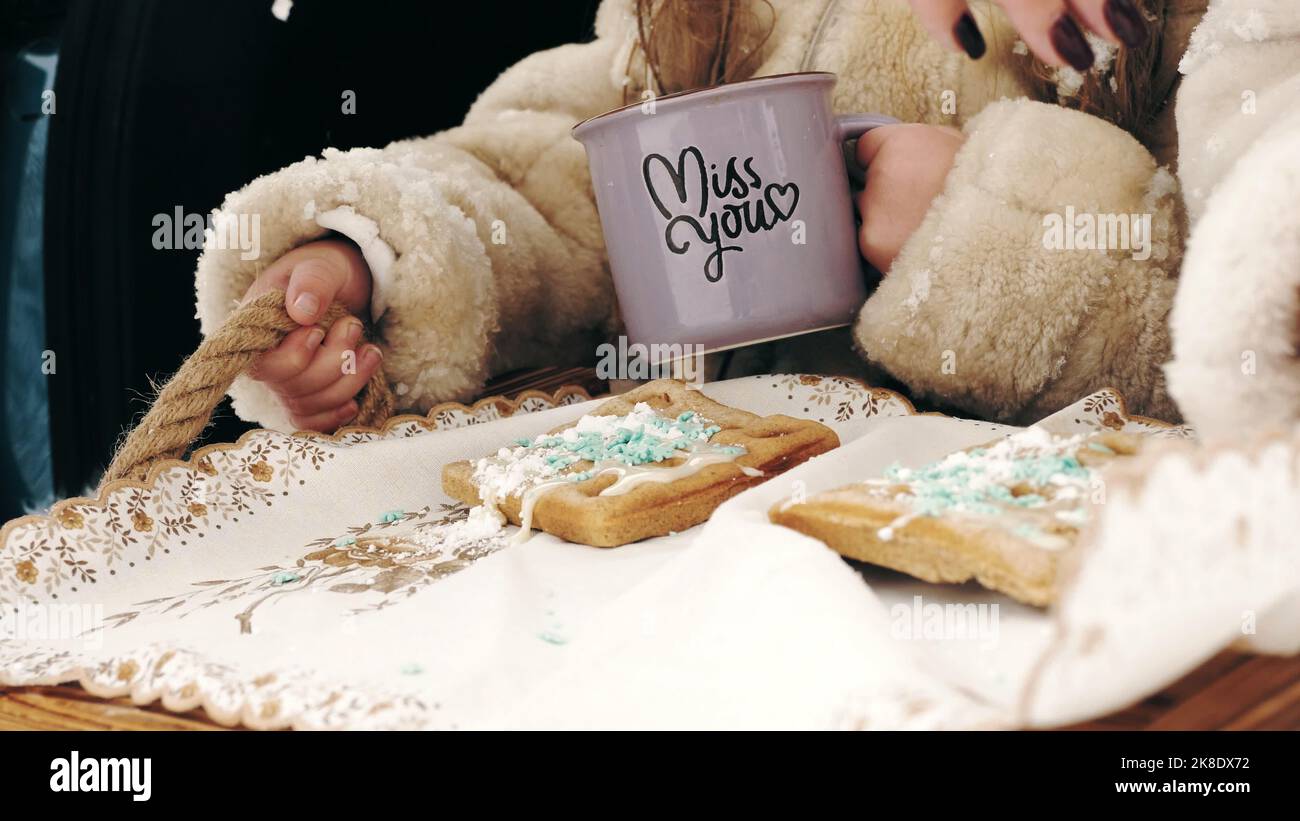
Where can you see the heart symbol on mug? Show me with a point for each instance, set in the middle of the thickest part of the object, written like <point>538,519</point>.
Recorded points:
<point>682,180</point>
<point>776,194</point>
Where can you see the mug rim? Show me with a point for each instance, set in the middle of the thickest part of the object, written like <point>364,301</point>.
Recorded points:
<point>710,91</point>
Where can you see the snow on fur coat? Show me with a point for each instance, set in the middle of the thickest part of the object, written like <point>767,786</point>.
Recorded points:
<point>1028,328</point>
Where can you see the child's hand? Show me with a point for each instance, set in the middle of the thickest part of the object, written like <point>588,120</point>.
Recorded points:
<point>906,168</point>
<point>311,371</point>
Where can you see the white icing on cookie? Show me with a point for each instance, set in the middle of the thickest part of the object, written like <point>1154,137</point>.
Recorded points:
<point>1031,483</point>
<point>633,447</point>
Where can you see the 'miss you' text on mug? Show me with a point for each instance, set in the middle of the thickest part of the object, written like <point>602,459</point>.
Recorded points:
<point>719,206</point>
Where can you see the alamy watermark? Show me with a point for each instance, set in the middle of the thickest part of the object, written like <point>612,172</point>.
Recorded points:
<point>80,623</point>
<point>919,620</point>
<point>126,775</point>
<point>655,361</point>
<point>182,231</point>
<point>1073,231</point>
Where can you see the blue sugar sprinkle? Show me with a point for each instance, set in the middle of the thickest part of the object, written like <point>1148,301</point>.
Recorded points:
<point>552,638</point>
<point>285,577</point>
<point>949,484</point>
<point>391,516</point>
<point>654,439</point>
<point>344,541</point>
<point>412,670</point>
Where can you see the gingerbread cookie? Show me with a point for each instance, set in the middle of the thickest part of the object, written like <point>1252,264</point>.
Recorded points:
<point>656,460</point>
<point>1002,514</point>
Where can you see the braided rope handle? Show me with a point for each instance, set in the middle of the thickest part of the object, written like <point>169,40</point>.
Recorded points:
<point>185,404</point>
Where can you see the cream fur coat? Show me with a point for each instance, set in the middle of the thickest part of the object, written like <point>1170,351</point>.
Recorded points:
<point>1026,329</point>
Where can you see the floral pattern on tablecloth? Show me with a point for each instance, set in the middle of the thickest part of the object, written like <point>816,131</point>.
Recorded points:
<point>83,540</point>
<point>394,556</point>
<point>841,399</point>
<point>829,399</point>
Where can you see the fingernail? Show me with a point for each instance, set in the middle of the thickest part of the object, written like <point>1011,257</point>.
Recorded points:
<point>1126,21</point>
<point>347,412</point>
<point>968,35</point>
<point>1069,42</point>
<point>353,332</point>
<point>307,303</point>
<point>372,356</point>
<point>314,338</point>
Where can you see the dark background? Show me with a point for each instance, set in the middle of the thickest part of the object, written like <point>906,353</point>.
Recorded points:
<point>166,103</point>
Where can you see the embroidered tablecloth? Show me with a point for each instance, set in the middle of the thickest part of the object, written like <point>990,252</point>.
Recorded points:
<point>308,581</point>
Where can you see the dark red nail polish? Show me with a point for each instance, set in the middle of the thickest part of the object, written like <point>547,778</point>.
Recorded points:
<point>1126,21</point>
<point>1069,42</point>
<point>968,35</point>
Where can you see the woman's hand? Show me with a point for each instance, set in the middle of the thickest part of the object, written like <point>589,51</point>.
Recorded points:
<point>906,169</point>
<point>315,374</point>
<point>1051,28</point>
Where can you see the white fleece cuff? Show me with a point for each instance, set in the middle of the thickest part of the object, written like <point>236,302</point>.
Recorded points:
<point>378,254</point>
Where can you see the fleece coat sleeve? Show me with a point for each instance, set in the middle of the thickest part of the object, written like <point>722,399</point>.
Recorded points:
<point>994,308</point>
<point>486,226</point>
<point>1236,321</point>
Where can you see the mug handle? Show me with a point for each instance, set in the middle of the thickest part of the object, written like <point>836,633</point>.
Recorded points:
<point>852,126</point>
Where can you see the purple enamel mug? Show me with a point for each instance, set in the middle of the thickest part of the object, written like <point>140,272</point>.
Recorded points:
<point>727,213</point>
